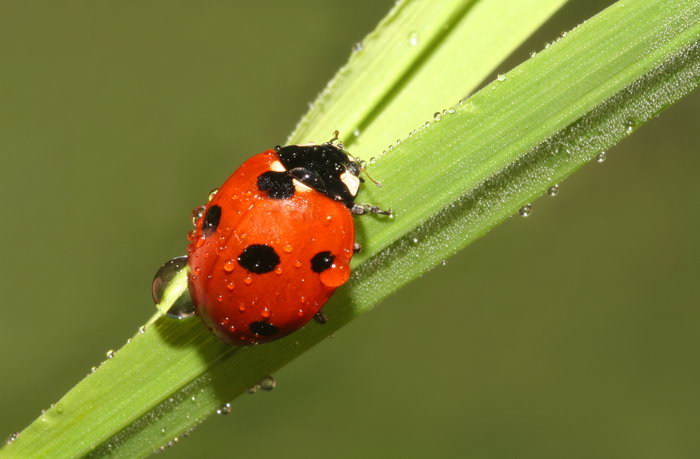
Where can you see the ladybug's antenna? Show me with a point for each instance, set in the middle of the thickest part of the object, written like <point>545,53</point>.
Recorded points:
<point>376,182</point>
<point>336,139</point>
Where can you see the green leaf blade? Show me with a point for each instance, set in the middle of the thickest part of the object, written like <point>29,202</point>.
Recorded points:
<point>469,171</point>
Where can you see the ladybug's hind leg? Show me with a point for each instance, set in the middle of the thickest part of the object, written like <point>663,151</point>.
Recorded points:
<point>356,247</point>
<point>362,209</point>
<point>321,317</point>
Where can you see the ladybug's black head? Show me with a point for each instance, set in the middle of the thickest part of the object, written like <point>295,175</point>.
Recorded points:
<point>326,168</point>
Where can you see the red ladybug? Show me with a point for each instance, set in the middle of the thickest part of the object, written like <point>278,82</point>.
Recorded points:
<point>275,241</point>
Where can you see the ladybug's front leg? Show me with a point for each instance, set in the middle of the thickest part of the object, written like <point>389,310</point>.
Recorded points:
<point>362,209</point>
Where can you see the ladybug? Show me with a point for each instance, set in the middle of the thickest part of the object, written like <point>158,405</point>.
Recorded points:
<point>275,241</point>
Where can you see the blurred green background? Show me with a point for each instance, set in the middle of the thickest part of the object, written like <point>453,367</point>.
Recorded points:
<point>572,333</point>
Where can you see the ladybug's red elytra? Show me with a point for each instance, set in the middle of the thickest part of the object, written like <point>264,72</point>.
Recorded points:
<point>275,241</point>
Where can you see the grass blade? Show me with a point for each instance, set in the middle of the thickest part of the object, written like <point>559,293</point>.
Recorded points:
<point>450,182</point>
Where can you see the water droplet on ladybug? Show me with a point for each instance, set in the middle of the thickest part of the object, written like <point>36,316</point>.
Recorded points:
<point>212,193</point>
<point>241,307</point>
<point>300,313</point>
<point>287,248</point>
<point>265,313</point>
<point>297,264</point>
<point>336,275</point>
<point>197,213</point>
<point>229,265</point>
<point>248,280</point>
<point>220,298</point>
<point>278,270</point>
<point>230,285</point>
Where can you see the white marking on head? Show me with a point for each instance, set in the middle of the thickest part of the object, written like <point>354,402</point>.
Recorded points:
<point>300,187</point>
<point>352,182</point>
<point>277,166</point>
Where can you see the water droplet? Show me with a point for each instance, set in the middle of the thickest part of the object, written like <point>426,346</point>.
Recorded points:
<point>553,190</point>
<point>415,240</point>
<point>13,436</point>
<point>162,430</point>
<point>413,38</point>
<point>182,307</point>
<point>93,369</point>
<point>110,353</point>
<point>229,266</point>
<point>265,313</point>
<point>525,210</point>
<point>437,116</point>
<point>241,307</point>
<point>297,264</point>
<point>287,248</point>
<point>629,126</point>
<point>356,132</point>
<point>336,275</point>
<point>212,193</point>
<point>357,47</point>
<point>142,329</point>
<point>443,263</point>
<point>248,280</point>
<point>373,160</point>
<point>501,77</point>
<point>268,383</point>
<point>164,275</point>
<point>601,157</point>
<point>533,53</point>
<point>193,398</point>
<point>197,213</point>
<point>224,410</point>
<point>230,285</point>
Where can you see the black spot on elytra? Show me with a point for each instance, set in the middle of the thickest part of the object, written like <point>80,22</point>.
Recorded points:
<point>278,185</point>
<point>259,258</point>
<point>263,328</point>
<point>211,220</point>
<point>322,261</point>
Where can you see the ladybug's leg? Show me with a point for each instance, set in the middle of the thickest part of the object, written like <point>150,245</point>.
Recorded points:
<point>356,247</point>
<point>362,209</point>
<point>320,317</point>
